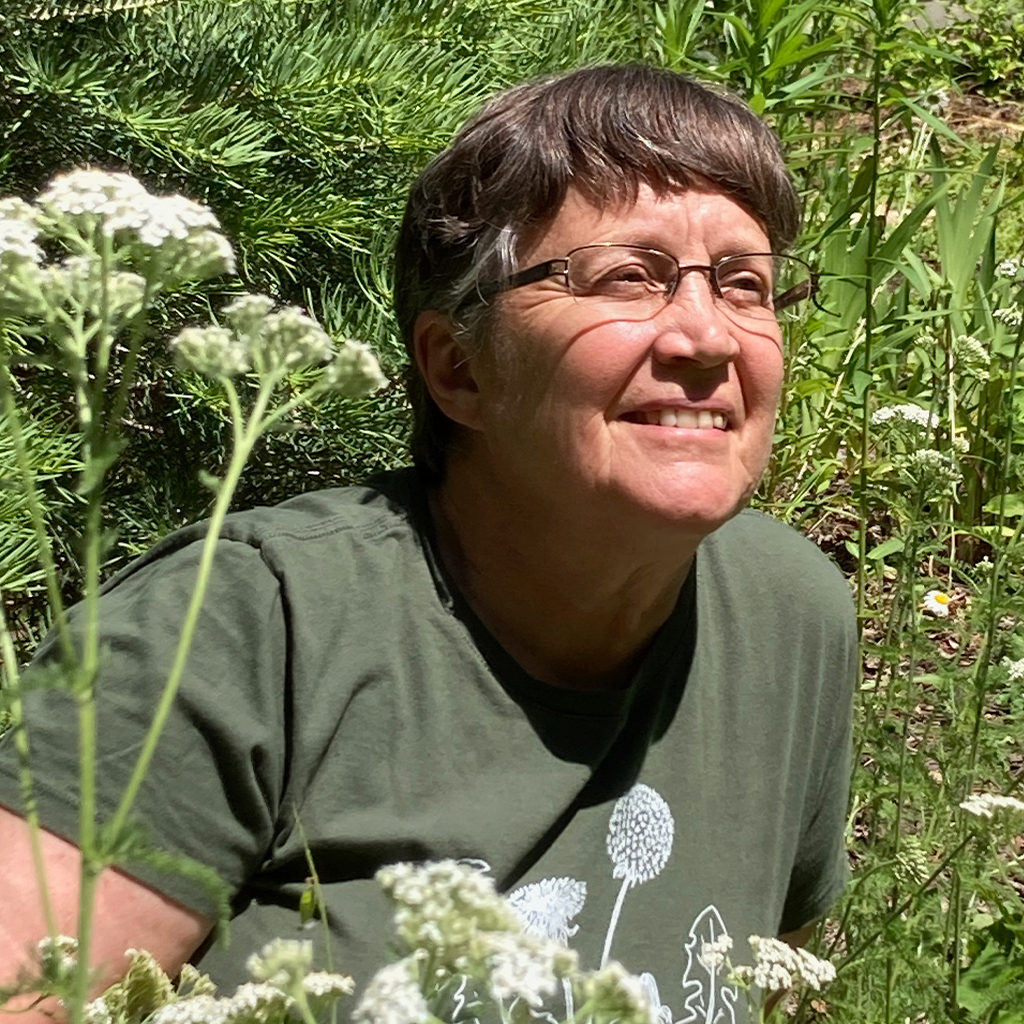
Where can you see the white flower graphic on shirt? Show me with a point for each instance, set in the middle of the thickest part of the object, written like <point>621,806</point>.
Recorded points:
<point>640,835</point>
<point>709,998</point>
<point>547,907</point>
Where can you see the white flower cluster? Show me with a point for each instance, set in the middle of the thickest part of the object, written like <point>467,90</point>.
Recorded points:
<point>986,805</point>
<point>778,966</point>
<point>446,908</point>
<point>18,234</point>
<point>936,603</point>
<point>58,956</point>
<point>282,963</point>
<point>971,356</point>
<point>393,996</point>
<point>355,371</point>
<point>930,467</point>
<point>614,994</point>
<point>526,967</point>
<point>1013,269</point>
<point>275,342</point>
<point>185,234</point>
<point>908,413</point>
<point>1010,316</point>
<point>712,954</point>
<point>1014,669</point>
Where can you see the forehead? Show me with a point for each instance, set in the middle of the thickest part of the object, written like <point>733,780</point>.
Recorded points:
<point>692,225</point>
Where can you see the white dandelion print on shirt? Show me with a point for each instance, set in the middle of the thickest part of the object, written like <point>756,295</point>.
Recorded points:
<point>639,842</point>
<point>709,998</point>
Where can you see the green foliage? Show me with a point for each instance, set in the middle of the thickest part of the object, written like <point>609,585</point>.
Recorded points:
<point>302,123</point>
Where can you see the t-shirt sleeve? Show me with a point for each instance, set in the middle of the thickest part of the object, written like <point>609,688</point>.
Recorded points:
<point>213,788</point>
<point>821,867</point>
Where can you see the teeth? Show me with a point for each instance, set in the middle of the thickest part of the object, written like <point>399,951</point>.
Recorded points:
<point>688,419</point>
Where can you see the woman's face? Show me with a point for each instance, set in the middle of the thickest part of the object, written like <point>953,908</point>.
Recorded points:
<point>667,418</point>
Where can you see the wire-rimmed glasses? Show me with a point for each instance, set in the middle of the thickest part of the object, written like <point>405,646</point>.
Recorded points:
<point>635,282</point>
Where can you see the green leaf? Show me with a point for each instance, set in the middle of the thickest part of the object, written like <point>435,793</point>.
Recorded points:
<point>887,547</point>
<point>1012,505</point>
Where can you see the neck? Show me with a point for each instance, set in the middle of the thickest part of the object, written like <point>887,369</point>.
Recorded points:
<point>575,601</point>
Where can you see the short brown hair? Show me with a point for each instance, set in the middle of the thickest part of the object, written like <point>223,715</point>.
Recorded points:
<point>605,131</point>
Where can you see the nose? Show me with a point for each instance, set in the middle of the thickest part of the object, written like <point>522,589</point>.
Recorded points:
<point>694,327</point>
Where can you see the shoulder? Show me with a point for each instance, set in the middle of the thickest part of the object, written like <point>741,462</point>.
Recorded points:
<point>761,564</point>
<point>311,528</point>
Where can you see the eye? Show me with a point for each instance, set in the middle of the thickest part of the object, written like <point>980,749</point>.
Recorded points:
<point>745,284</point>
<point>619,272</point>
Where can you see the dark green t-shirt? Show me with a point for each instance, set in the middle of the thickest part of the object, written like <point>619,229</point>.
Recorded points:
<point>338,681</point>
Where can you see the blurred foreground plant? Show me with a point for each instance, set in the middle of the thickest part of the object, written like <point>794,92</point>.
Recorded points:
<point>80,269</point>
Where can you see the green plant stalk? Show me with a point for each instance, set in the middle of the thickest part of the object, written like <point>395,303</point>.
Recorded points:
<point>244,437</point>
<point>25,779</point>
<point>869,317</point>
<point>35,511</point>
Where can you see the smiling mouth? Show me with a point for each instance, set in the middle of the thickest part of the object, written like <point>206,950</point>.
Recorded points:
<point>688,419</point>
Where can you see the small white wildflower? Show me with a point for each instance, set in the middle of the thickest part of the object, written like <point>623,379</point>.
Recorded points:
<point>526,967</point>
<point>256,1001</point>
<point>202,255</point>
<point>936,101</point>
<point>1010,316</point>
<point>936,602</point>
<point>213,351</point>
<point>1014,669</point>
<point>289,339</point>
<point>354,371</point>
<point>18,233</point>
<point>928,467</point>
<point>778,966</point>
<point>58,956</point>
<point>91,193</point>
<point>393,997</point>
<point>1013,269</point>
<point>712,954</point>
<point>201,1009</point>
<point>986,805</point>
<point>446,907</point>
<point>97,1012</point>
<point>907,413</point>
<point>971,356</point>
<point>323,984</point>
<point>617,995</point>
<point>247,313</point>
<point>281,962</point>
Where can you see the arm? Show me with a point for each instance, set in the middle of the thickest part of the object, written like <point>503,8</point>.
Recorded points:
<point>128,913</point>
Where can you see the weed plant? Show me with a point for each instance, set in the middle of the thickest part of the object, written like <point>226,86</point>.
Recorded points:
<point>899,447</point>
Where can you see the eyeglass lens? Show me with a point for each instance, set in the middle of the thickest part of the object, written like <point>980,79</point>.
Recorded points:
<point>636,279</point>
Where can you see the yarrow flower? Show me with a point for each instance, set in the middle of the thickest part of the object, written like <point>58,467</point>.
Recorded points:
<point>183,235</point>
<point>448,909</point>
<point>18,233</point>
<point>1013,269</point>
<point>354,371</point>
<point>393,996</point>
<point>213,351</point>
<point>971,356</point>
<point>1014,669</point>
<point>58,956</point>
<point>712,954</point>
<point>613,994</point>
<point>936,602</point>
<point>289,339</point>
<point>987,805</point>
<point>525,967</point>
<point>778,966</point>
<point>282,963</point>
<point>928,467</point>
<point>1010,316</point>
<point>908,413</point>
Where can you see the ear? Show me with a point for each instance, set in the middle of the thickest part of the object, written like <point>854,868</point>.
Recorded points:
<point>446,367</point>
